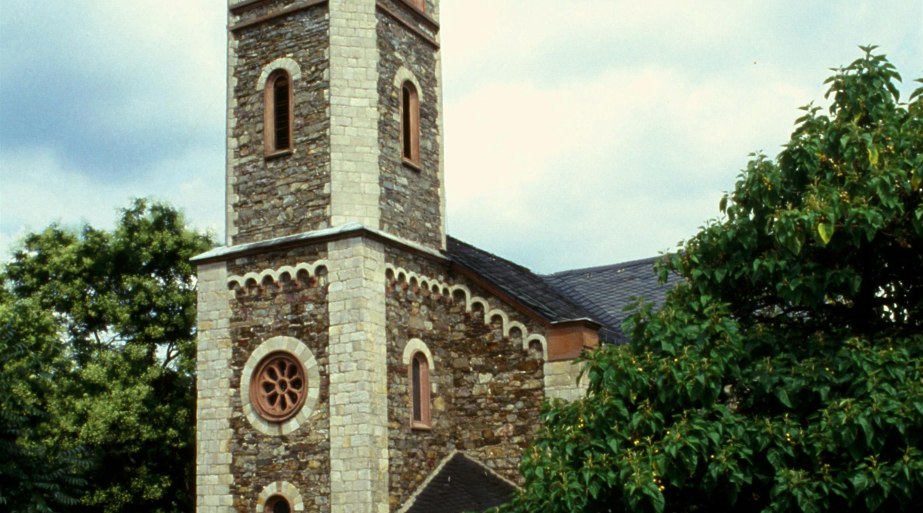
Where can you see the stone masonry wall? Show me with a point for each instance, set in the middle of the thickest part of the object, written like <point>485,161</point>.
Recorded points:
<point>291,307</point>
<point>487,390</point>
<point>288,194</point>
<point>410,198</point>
<point>561,380</point>
<point>213,393</point>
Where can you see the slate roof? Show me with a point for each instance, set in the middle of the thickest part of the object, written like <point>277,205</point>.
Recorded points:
<point>516,281</point>
<point>596,293</point>
<point>462,485</point>
<point>606,291</point>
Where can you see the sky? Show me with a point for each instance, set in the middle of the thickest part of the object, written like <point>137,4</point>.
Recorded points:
<point>577,133</point>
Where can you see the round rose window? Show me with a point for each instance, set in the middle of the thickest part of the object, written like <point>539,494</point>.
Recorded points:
<point>278,386</point>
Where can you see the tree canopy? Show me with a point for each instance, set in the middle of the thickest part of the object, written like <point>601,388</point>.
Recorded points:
<point>98,355</point>
<point>785,371</point>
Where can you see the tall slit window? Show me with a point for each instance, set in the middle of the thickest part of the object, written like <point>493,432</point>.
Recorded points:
<point>419,391</point>
<point>277,120</point>
<point>410,124</point>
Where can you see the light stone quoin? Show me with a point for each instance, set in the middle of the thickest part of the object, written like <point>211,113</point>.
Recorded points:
<point>213,430</point>
<point>354,148</point>
<point>358,377</point>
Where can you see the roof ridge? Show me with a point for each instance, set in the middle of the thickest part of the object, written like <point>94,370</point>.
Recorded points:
<point>484,251</point>
<point>630,263</point>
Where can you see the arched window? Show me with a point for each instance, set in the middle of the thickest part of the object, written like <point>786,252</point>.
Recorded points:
<point>277,109</point>
<point>277,504</point>
<point>419,391</point>
<point>410,124</point>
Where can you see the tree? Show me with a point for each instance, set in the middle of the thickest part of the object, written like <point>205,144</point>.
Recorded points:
<point>122,308</point>
<point>35,476</point>
<point>785,372</point>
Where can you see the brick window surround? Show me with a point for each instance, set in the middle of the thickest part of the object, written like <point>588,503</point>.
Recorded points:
<point>278,109</point>
<point>410,124</point>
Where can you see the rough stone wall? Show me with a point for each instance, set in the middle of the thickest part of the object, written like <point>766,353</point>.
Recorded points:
<point>284,195</point>
<point>358,386</point>
<point>410,198</point>
<point>293,307</point>
<point>487,390</point>
<point>213,401</point>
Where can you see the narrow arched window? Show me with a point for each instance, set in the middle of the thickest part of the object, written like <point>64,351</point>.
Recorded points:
<point>419,391</point>
<point>277,108</point>
<point>410,124</point>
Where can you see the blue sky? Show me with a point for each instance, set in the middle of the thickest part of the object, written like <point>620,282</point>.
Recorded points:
<point>578,133</point>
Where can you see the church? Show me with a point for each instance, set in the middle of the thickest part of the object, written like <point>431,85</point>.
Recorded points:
<point>353,357</point>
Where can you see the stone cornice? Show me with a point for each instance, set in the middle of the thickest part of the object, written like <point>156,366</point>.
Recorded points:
<point>345,231</point>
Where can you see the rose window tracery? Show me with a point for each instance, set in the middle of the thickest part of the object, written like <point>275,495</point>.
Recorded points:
<point>278,386</point>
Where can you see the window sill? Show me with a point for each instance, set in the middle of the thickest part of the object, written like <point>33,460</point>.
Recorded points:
<point>278,154</point>
<point>419,426</point>
<point>411,164</point>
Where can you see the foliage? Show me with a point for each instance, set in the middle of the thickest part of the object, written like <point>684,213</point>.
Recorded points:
<point>35,476</point>
<point>785,372</point>
<point>122,305</point>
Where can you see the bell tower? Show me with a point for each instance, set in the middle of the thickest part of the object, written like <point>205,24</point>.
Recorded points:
<point>334,165</point>
<point>334,119</point>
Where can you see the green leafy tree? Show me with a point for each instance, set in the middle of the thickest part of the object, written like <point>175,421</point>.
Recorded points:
<point>123,309</point>
<point>785,372</point>
<point>35,476</point>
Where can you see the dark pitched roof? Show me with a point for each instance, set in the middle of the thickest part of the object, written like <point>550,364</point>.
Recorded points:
<point>462,485</point>
<point>605,291</point>
<point>516,281</point>
<point>596,293</point>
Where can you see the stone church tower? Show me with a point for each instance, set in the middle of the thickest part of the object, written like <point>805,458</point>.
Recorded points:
<point>350,353</point>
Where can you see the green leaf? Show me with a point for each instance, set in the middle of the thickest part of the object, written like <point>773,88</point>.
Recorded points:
<point>782,394</point>
<point>825,230</point>
<point>873,155</point>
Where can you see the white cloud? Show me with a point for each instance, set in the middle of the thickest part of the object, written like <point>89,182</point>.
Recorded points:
<point>648,149</point>
<point>577,133</point>
<point>38,190</point>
